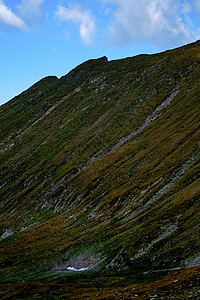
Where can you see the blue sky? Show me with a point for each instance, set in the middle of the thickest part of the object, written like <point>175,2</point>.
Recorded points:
<point>48,37</point>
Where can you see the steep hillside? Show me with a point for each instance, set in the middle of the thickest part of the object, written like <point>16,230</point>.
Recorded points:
<point>100,174</point>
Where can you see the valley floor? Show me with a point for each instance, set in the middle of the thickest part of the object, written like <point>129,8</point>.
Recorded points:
<point>183,284</point>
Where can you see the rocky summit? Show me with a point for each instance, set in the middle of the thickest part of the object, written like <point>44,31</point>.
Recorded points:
<point>100,182</point>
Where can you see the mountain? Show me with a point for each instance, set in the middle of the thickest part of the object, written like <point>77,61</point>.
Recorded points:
<point>100,181</point>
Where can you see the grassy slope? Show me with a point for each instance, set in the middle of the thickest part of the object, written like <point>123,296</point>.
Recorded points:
<point>64,202</point>
<point>182,285</point>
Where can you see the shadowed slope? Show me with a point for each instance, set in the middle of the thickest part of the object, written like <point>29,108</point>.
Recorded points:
<point>100,170</point>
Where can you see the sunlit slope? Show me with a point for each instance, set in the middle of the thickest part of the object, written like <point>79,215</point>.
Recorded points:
<point>100,169</point>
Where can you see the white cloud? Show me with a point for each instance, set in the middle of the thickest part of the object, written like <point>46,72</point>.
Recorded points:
<point>197,5</point>
<point>9,18</point>
<point>79,16</point>
<point>186,8</point>
<point>161,22</point>
<point>30,7</point>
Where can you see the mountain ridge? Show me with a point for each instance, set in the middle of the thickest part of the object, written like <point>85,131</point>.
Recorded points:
<point>100,170</point>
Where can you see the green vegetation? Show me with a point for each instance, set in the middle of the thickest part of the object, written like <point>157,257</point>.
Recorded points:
<point>100,173</point>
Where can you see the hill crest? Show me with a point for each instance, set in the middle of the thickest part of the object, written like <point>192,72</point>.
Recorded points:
<point>100,170</point>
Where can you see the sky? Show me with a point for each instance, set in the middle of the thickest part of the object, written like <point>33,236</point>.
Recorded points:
<point>39,38</point>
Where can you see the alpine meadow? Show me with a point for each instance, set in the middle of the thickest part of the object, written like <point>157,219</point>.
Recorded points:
<point>100,182</point>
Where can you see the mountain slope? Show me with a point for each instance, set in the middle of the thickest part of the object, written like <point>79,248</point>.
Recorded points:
<point>100,170</point>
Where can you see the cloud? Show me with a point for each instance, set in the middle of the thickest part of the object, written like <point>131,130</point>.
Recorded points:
<point>28,7</point>
<point>197,5</point>
<point>161,22</point>
<point>9,18</point>
<point>79,16</point>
